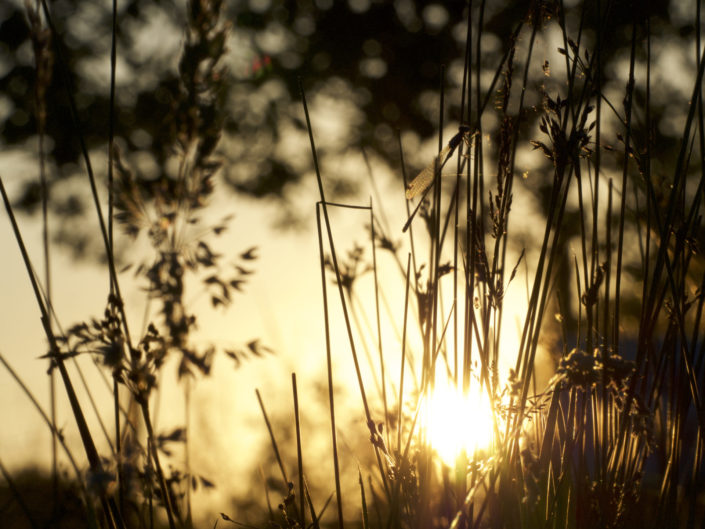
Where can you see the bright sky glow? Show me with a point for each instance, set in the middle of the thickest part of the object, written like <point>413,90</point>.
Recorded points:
<point>454,422</point>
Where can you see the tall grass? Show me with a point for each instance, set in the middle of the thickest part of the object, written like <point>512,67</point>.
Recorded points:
<point>614,438</point>
<point>133,482</point>
<point>614,286</point>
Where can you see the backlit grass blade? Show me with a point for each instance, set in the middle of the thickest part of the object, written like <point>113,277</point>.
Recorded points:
<point>424,179</point>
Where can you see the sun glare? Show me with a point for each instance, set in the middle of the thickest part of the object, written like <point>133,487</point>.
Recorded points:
<point>455,422</point>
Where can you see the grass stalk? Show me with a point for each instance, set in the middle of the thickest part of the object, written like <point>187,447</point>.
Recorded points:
<point>622,213</point>
<point>329,366</point>
<point>275,446</point>
<point>331,245</point>
<point>169,506</point>
<point>109,507</point>
<point>47,418</point>
<point>89,168</point>
<point>379,324</point>
<point>299,456</point>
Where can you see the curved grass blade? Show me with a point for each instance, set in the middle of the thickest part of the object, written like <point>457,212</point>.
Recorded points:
<point>424,179</point>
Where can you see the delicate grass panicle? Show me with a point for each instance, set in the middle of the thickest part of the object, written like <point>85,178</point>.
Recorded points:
<point>595,413</point>
<point>132,482</point>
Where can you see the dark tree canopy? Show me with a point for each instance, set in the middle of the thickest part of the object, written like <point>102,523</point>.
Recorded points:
<point>382,59</point>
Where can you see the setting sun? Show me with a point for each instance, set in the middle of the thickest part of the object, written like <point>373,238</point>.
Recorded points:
<point>455,422</point>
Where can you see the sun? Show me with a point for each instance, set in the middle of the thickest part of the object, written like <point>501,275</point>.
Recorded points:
<point>455,422</point>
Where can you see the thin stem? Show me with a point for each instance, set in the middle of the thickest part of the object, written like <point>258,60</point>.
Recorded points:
<point>299,456</point>
<point>109,507</point>
<point>341,293</point>
<point>329,366</point>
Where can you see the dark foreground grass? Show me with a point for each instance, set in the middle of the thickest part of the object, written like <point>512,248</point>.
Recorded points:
<point>614,276</point>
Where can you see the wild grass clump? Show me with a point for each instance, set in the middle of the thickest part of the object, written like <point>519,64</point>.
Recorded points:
<point>132,485</point>
<point>614,438</point>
